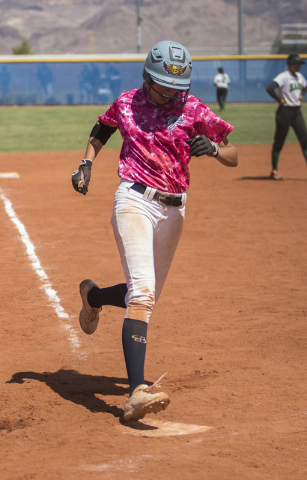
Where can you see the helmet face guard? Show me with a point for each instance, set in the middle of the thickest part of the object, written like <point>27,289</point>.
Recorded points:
<point>169,64</point>
<point>170,102</point>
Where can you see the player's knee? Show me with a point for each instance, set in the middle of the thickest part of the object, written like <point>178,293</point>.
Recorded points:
<point>277,147</point>
<point>140,307</point>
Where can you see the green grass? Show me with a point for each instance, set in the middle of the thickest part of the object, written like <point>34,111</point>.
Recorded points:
<point>32,129</point>
<point>254,124</point>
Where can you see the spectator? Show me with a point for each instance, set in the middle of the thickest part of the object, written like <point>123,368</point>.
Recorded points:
<point>85,85</point>
<point>94,79</point>
<point>5,80</point>
<point>45,78</point>
<point>114,80</point>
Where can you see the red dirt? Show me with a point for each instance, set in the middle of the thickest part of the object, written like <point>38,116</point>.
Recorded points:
<point>229,328</point>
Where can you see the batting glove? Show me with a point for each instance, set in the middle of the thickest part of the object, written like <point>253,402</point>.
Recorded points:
<point>201,145</point>
<point>81,177</point>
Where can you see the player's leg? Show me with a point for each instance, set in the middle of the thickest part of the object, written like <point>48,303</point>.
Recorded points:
<point>224,97</point>
<point>134,237</point>
<point>219,97</point>
<point>133,230</point>
<point>114,296</point>
<point>283,119</point>
<point>133,222</point>
<point>223,94</point>
<point>167,231</point>
<point>299,126</point>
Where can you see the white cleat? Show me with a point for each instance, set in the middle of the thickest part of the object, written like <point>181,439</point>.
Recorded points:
<point>275,175</point>
<point>142,402</point>
<point>89,316</point>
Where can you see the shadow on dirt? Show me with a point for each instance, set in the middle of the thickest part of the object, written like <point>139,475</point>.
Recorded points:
<point>80,389</point>
<point>274,181</point>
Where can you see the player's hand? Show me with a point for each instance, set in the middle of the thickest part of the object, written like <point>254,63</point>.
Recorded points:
<point>201,145</point>
<point>81,177</point>
<point>282,101</point>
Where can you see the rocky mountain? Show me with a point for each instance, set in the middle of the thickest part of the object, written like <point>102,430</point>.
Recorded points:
<point>109,26</point>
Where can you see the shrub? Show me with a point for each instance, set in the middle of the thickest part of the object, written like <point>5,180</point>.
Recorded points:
<point>24,48</point>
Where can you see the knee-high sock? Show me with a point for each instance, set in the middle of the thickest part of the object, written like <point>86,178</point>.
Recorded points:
<point>134,339</point>
<point>115,295</point>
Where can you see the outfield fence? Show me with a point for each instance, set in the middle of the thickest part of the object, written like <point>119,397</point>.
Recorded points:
<point>99,79</point>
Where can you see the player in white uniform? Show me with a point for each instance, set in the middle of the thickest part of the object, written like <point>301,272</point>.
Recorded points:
<point>221,81</point>
<point>292,86</point>
<point>162,127</point>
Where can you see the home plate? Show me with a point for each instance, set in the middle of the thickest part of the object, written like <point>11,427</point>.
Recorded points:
<point>9,175</point>
<point>156,428</point>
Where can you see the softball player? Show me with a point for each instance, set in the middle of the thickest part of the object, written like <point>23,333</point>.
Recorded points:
<point>292,87</point>
<point>162,127</point>
<point>221,81</point>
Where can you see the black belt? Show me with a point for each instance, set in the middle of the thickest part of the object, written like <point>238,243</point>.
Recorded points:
<point>164,198</point>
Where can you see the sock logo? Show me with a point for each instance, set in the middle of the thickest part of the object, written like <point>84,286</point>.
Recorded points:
<point>138,338</point>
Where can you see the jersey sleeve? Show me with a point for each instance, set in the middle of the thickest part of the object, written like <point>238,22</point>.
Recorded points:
<point>280,79</point>
<point>209,124</point>
<point>111,116</point>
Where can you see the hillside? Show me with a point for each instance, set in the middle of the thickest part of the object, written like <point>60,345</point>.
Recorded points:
<point>101,26</point>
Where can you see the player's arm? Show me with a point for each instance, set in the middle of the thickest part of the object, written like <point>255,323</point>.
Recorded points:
<point>303,93</point>
<point>224,152</point>
<point>228,155</point>
<point>99,136</point>
<point>271,91</point>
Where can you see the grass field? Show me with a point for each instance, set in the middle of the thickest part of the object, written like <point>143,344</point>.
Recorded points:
<point>33,129</point>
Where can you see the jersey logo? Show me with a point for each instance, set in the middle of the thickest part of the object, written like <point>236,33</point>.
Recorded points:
<point>295,86</point>
<point>174,69</point>
<point>138,338</point>
<point>172,121</point>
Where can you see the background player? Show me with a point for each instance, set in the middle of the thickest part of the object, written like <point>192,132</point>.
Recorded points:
<point>221,81</point>
<point>292,87</point>
<point>162,127</point>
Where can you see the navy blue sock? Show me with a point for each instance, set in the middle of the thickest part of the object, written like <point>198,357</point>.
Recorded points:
<point>115,295</point>
<point>134,344</point>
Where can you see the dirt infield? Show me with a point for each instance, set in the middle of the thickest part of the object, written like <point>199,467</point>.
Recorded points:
<point>229,328</point>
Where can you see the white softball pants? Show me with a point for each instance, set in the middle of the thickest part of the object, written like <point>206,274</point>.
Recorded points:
<point>147,234</point>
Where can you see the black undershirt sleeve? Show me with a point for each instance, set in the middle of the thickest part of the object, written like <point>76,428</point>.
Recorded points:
<point>271,91</point>
<point>102,132</point>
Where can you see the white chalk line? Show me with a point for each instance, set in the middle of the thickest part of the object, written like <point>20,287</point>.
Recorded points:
<point>122,464</point>
<point>9,175</point>
<point>46,285</point>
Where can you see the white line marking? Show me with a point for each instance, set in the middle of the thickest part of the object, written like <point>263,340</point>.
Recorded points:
<point>158,428</point>
<point>9,175</point>
<point>122,464</point>
<point>46,285</point>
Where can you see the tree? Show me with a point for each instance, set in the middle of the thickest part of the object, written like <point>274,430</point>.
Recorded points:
<point>24,48</point>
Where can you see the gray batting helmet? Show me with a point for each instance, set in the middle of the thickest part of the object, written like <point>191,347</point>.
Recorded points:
<point>168,64</point>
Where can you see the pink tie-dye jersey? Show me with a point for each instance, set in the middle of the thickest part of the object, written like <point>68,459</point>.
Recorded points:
<point>154,150</point>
